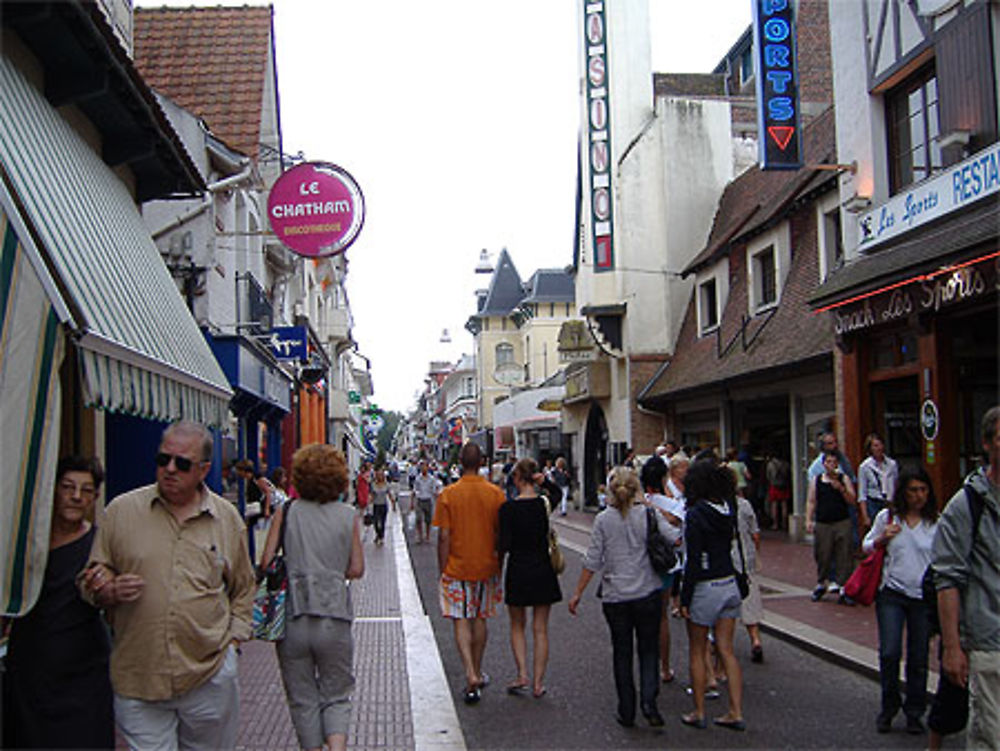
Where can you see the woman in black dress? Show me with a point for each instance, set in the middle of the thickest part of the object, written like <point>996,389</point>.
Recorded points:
<point>530,580</point>
<point>57,692</point>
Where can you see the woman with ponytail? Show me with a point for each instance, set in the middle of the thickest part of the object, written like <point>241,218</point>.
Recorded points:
<point>630,592</point>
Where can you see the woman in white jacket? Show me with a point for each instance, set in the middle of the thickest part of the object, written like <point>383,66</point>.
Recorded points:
<point>905,529</point>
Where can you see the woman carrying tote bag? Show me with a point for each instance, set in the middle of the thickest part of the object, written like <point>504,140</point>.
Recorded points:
<point>906,530</point>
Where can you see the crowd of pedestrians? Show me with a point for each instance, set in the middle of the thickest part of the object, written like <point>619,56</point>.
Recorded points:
<point>168,568</point>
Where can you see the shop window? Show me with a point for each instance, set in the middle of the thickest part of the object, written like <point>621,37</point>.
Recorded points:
<point>914,127</point>
<point>708,306</point>
<point>894,350</point>
<point>504,353</point>
<point>765,279</point>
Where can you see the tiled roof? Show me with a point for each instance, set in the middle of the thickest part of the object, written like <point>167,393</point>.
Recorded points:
<point>794,338</point>
<point>550,285</point>
<point>756,198</point>
<point>212,62</point>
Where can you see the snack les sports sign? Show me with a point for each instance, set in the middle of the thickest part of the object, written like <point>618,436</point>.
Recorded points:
<point>316,209</point>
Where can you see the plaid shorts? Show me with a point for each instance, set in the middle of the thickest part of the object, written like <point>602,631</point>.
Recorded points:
<point>470,599</point>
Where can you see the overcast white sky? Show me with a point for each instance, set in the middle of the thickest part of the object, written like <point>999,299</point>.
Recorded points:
<point>459,120</point>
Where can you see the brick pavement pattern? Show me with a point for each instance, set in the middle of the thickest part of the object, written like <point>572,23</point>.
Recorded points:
<point>380,716</point>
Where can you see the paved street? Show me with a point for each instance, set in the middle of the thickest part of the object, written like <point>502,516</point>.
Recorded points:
<point>793,700</point>
<point>814,690</point>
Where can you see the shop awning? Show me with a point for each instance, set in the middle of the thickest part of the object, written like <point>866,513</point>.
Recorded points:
<point>142,352</point>
<point>32,350</point>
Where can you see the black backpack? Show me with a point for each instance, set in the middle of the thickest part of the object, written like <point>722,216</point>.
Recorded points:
<point>976,506</point>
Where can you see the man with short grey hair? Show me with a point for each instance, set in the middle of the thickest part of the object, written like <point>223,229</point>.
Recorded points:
<point>170,565</point>
<point>966,564</point>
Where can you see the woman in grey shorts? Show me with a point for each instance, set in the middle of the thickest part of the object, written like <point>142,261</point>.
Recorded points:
<point>322,548</point>
<point>709,594</point>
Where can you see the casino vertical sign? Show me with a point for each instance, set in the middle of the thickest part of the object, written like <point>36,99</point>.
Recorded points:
<point>600,194</point>
<point>777,85</point>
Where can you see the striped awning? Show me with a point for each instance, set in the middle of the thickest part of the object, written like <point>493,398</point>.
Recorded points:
<point>142,352</point>
<point>31,350</point>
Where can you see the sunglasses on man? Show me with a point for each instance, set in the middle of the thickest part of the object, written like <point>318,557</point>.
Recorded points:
<point>182,463</point>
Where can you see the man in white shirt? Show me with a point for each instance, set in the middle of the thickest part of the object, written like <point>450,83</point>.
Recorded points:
<point>425,491</point>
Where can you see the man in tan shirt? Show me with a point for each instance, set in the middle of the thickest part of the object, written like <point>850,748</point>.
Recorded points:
<point>170,565</point>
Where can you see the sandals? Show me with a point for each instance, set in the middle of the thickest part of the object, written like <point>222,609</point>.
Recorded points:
<point>518,689</point>
<point>722,722</point>
<point>694,721</point>
<point>471,695</point>
<point>667,677</point>
<point>538,693</point>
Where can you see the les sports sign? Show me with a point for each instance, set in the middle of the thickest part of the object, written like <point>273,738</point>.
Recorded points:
<point>316,209</point>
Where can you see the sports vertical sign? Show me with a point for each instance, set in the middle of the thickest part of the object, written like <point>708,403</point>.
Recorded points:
<point>599,128</point>
<point>777,85</point>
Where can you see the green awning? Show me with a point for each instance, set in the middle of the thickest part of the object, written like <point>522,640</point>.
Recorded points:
<point>142,352</point>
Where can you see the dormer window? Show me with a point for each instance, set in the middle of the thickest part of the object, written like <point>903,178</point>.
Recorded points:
<point>708,306</point>
<point>765,283</point>
<point>768,260</point>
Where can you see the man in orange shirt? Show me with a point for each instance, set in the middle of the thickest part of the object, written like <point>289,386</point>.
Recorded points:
<point>467,516</point>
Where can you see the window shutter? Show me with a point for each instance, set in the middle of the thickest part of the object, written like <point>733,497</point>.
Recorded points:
<point>967,87</point>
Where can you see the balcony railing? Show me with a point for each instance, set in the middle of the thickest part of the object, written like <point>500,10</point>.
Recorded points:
<point>253,308</point>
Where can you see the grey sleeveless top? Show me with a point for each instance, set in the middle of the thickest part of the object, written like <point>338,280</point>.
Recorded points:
<point>317,551</point>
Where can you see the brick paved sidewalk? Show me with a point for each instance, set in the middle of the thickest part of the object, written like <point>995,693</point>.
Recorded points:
<point>381,717</point>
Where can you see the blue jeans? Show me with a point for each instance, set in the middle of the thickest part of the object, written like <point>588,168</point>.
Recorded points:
<point>894,609</point>
<point>641,619</point>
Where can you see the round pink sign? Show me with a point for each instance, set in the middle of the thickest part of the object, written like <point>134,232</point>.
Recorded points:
<point>316,209</point>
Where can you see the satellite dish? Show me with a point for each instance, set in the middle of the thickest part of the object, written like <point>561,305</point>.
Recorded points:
<point>509,374</point>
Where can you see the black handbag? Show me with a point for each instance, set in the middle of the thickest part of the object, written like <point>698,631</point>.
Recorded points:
<point>661,552</point>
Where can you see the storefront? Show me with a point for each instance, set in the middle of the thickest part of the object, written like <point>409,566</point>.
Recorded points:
<point>916,320</point>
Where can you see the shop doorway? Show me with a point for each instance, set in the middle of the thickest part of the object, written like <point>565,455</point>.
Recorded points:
<point>761,429</point>
<point>595,455</point>
<point>896,413</point>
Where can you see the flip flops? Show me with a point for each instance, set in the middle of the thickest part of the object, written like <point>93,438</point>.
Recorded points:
<point>538,693</point>
<point>518,689</point>
<point>471,695</point>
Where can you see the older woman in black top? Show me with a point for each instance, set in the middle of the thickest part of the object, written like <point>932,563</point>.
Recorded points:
<point>710,596</point>
<point>57,692</point>
<point>530,580</point>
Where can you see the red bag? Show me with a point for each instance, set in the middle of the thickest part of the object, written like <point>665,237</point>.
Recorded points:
<point>863,583</point>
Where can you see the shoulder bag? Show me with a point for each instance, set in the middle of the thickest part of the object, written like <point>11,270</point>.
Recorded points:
<point>862,585</point>
<point>556,556</point>
<point>661,552</point>
<point>272,592</point>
